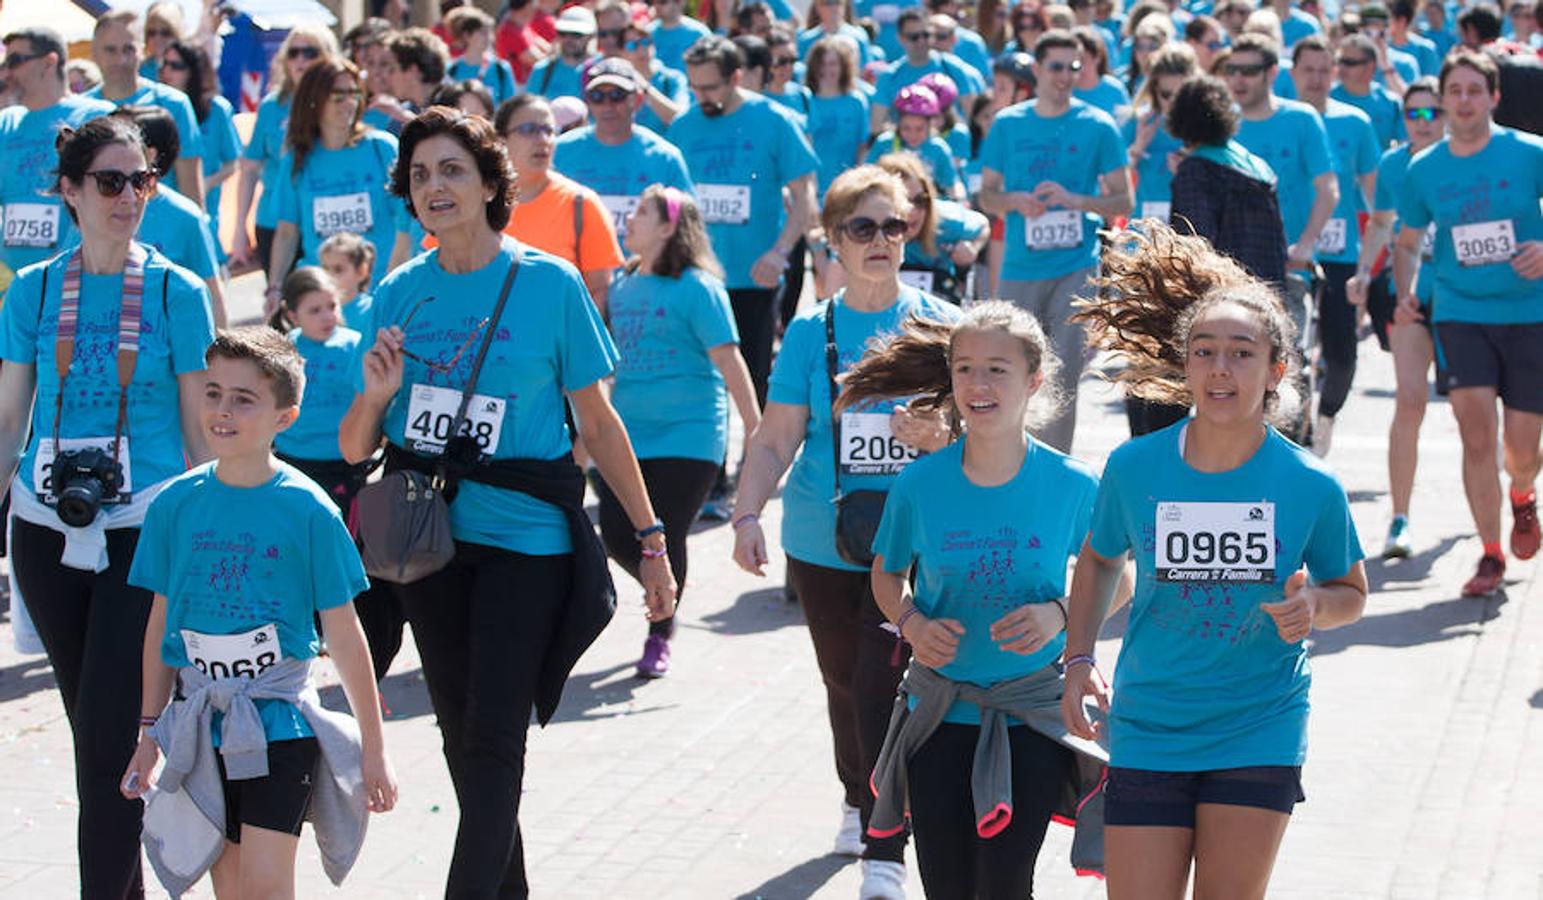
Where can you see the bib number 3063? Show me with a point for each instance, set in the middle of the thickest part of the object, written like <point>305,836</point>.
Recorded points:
<point>431,412</point>
<point>1483,243</point>
<point>868,447</point>
<point>245,655</point>
<point>1216,541</point>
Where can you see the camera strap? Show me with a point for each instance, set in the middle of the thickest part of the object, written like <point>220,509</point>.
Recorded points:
<point>129,322</point>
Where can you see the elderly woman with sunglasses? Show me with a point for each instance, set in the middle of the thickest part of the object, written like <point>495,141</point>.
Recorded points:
<point>492,627</point>
<point>100,394</point>
<point>865,216</point>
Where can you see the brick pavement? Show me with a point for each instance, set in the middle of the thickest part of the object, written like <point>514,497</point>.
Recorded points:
<point>717,781</point>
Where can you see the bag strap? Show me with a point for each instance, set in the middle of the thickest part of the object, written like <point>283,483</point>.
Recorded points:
<point>130,316</point>
<point>546,77</point>
<point>578,224</point>
<point>830,373</point>
<point>476,369</point>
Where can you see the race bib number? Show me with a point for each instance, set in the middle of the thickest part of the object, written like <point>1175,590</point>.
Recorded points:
<point>724,204</point>
<point>620,208</point>
<point>886,13</point>
<point>917,278</point>
<point>43,465</point>
<point>31,224</point>
<point>868,447</point>
<point>1156,209</point>
<point>431,412</point>
<point>1484,243</point>
<point>1331,239</point>
<point>348,212</point>
<point>1428,242</point>
<point>1058,229</point>
<point>1216,542</point>
<point>245,655</point>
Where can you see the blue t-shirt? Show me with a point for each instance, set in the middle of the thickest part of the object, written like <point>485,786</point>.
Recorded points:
<point>549,341</point>
<point>175,226</point>
<point>1354,145</point>
<point>1480,194</point>
<point>1154,180</point>
<point>981,552</point>
<point>799,378</point>
<point>901,73</point>
<point>935,155</point>
<point>1074,149</point>
<point>1295,143</point>
<point>496,75</point>
<point>356,315</point>
<point>1108,95</point>
<point>283,559</point>
<point>809,36</point>
<point>173,336</point>
<point>266,145</point>
<point>1384,109</point>
<point>329,391</point>
<point>956,222</point>
<point>794,98</point>
<point>42,227</point>
<point>1423,50</point>
<point>671,43</point>
<point>1204,680</point>
<point>1443,39</point>
<point>620,172</point>
<point>343,190</point>
<point>672,84</point>
<point>556,77</point>
<point>739,163</point>
<point>886,15</point>
<point>838,128</point>
<point>971,48</point>
<point>222,144</point>
<point>153,93</point>
<point>1296,26</point>
<point>1391,172</point>
<point>668,392</point>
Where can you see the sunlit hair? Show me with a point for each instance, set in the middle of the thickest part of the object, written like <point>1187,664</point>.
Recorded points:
<point>851,187</point>
<point>909,165</point>
<point>688,247</point>
<point>843,50</point>
<point>477,137</point>
<point>917,362</point>
<point>1168,60</point>
<point>278,73</point>
<point>311,98</point>
<point>302,281</point>
<point>1462,57</point>
<point>1425,84</point>
<point>274,356</point>
<point>1155,284</point>
<point>359,252</point>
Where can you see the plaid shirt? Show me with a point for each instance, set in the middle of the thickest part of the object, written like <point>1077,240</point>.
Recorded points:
<point>1238,214</point>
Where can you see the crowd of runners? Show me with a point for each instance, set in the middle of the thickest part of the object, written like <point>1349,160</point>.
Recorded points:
<point>514,258</point>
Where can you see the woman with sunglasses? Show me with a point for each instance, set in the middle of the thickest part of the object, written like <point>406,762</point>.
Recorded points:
<point>487,625</point>
<point>1151,35</point>
<point>90,428</point>
<point>864,216</point>
<point>186,67</point>
<point>260,162</point>
<point>943,238</point>
<point>163,27</point>
<point>1028,22</point>
<point>833,18</point>
<point>334,177</point>
<point>1409,340</point>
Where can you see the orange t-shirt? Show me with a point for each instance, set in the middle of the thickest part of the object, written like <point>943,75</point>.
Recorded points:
<point>546,223</point>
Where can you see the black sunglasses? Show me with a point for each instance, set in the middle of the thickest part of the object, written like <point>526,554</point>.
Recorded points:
<point>862,229</point>
<point>160,33</point>
<point>1248,71</point>
<point>610,34</point>
<point>921,199</point>
<point>303,53</point>
<point>1423,114</point>
<point>1351,62</point>
<point>598,96</point>
<point>176,65</point>
<point>110,182</point>
<point>780,61</point>
<point>914,36</point>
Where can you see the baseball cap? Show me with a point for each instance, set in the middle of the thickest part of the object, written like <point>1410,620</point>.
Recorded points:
<point>612,70</point>
<point>576,20</point>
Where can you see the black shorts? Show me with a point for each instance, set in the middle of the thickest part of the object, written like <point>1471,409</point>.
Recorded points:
<point>1380,304</point>
<point>1508,358</point>
<point>280,800</point>
<point>1143,797</point>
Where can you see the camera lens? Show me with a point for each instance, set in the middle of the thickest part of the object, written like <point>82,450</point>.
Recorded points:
<point>79,502</point>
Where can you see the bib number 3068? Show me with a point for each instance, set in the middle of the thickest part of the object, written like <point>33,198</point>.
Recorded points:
<point>1216,541</point>
<point>245,655</point>
<point>431,413</point>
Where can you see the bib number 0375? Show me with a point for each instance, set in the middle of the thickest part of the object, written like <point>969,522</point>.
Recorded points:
<point>1215,541</point>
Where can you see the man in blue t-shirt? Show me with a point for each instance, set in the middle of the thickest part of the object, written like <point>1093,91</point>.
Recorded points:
<point>1354,63</point>
<point>560,75</point>
<point>674,32</point>
<point>919,61</point>
<point>663,90</point>
<point>1054,168</point>
<point>1481,187</point>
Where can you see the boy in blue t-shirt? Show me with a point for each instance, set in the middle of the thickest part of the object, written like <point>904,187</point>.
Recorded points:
<point>228,588</point>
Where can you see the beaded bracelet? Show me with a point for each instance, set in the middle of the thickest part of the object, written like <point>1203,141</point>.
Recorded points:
<point>1078,659</point>
<point>747,517</point>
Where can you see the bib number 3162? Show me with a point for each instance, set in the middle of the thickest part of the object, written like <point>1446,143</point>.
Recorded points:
<point>431,411</point>
<point>1216,541</point>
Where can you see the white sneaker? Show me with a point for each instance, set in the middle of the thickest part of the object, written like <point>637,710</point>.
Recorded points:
<point>882,880</point>
<point>849,840</point>
<point>1323,434</point>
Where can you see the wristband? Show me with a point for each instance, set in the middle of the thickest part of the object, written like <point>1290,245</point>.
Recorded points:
<point>656,528</point>
<point>1078,660</point>
<point>654,554</point>
<point>1066,618</point>
<point>147,721</point>
<point>909,612</point>
<point>747,517</point>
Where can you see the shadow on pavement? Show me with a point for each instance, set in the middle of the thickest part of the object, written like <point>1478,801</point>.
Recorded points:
<point>800,881</point>
<point>27,677</point>
<point>404,693</point>
<point>1388,574</point>
<point>588,697</point>
<point>1537,700</point>
<point>753,612</point>
<point>1439,621</point>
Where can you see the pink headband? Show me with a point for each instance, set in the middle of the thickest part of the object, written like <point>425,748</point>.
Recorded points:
<point>672,201</point>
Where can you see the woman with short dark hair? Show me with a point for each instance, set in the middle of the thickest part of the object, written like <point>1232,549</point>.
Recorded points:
<point>494,626</point>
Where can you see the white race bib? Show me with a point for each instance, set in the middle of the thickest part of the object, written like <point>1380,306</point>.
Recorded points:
<point>1216,541</point>
<point>917,278</point>
<point>886,13</point>
<point>1428,242</point>
<point>972,183</point>
<point>43,465</point>
<point>620,208</point>
<point>431,412</point>
<point>1058,229</point>
<point>1484,243</point>
<point>347,212</point>
<point>244,655</point>
<point>868,447</point>
<point>1331,239</point>
<point>1156,209</point>
<point>31,224</point>
<point>724,204</point>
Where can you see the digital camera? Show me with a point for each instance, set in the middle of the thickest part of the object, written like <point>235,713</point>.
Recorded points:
<point>82,479</point>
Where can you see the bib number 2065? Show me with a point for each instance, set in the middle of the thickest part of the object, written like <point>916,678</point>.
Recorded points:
<point>1216,541</point>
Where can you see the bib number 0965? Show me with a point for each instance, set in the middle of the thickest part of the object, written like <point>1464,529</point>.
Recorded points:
<point>1198,541</point>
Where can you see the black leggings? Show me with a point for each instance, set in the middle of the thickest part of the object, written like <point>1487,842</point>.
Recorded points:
<point>792,283</point>
<point>955,861</point>
<point>1337,337</point>
<point>93,627</point>
<point>676,487</point>
<point>861,664</point>
<point>755,315</point>
<point>483,625</point>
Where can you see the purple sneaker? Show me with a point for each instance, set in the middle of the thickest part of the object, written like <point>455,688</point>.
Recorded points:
<point>656,657</point>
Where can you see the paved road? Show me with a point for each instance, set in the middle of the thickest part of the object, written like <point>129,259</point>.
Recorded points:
<point>717,782</point>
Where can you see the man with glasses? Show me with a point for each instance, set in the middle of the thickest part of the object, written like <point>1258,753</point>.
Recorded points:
<point>559,75</point>
<point>613,157</point>
<point>673,33</point>
<point>1481,187</point>
<point>115,47</point>
<point>1354,62</point>
<point>1054,168</point>
<point>35,222</point>
<point>1395,68</point>
<point>921,60</point>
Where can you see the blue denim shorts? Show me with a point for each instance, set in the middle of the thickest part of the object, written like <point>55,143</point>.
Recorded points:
<point>1146,798</point>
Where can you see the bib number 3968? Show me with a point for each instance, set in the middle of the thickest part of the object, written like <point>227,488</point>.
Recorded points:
<point>868,447</point>
<point>431,412</point>
<point>245,655</point>
<point>1216,541</point>
<point>348,212</point>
